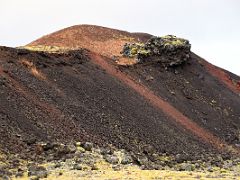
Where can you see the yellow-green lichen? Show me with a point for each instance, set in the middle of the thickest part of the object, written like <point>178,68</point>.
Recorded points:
<point>135,49</point>
<point>50,49</point>
<point>158,46</point>
<point>173,40</point>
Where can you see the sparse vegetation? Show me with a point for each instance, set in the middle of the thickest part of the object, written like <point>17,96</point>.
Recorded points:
<point>49,49</point>
<point>135,50</point>
<point>174,50</point>
<point>89,161</point>
<point>171,40</point>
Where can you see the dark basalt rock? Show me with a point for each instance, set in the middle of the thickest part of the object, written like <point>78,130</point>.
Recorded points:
<point>168,50</point>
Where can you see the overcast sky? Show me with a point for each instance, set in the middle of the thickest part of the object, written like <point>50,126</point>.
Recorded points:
<point>212,26</point>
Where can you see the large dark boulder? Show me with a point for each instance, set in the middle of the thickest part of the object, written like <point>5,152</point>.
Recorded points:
<point>168,50</point>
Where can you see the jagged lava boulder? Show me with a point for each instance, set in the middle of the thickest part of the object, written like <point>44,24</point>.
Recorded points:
<point>168,50</point>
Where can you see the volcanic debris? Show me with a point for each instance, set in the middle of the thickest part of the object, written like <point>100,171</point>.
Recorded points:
<point>168,50</point>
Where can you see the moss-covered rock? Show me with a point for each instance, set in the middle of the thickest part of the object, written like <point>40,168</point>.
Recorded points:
<point>169,50</point>
<point>134,50</point>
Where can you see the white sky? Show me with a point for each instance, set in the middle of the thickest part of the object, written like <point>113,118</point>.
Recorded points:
<point>212,26</point>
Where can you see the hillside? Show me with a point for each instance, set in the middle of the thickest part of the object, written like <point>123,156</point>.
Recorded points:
<point>105,41</point>
<point>79,93</point>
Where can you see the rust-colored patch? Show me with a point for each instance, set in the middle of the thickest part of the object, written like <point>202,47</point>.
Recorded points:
<point>36,73</point>
<point>33,69</point>
<point>222,76</point>
<point>105,41</point>
<point>164,106</point>
<point>123,61</point>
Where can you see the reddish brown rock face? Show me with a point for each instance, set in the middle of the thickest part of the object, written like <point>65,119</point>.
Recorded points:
<point>105,41</point>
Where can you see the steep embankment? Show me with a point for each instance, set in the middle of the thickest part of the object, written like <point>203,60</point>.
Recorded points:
<point>198,93</point>
<point>68,97</point>
<point>207,95</point>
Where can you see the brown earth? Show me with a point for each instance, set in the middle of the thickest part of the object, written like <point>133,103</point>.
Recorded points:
<point>83,95</point>
<point>105,41</point>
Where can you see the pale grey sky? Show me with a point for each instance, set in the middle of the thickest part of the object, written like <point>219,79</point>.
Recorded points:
<point>212,26</point>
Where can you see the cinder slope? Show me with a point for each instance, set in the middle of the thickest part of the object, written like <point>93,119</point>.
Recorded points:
<point>84,95</point>
<point>200,94</point>
<point>67,97</point>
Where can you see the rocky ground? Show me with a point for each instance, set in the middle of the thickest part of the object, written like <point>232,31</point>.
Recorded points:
<point>89,161</point>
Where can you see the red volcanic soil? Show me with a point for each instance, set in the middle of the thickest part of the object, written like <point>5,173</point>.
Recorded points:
<point>223,76</point>
<point>104,41</point>
<point>195,92</point>
<point>158,102</point>
<point>83,95</point>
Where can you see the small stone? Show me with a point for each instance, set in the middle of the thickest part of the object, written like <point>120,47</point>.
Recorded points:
<point>5,177</point>
<point>213,101</point>
<point>77,144</point>
<point>149,78</point>
<point>186,167</point>
<point>172,92</point>
<point>176,71</point>
<point>126,159</point>
<point>42,174</point>
<point>143,167</point>
<point>197,165</point>
<point>209,169</point>
<point>81,149</point>
<point>57,165</point>
<point>71,148</point>
<point>94,167</point>
<point>29,141</point>
<point>116,167</point>
<point>18,135</point>
<point>38,171</point>
<point>19,174</point>
<point>47,146</point>
<point>201,76</point>
<point>157,167</point>
<point>142,160</point>
<point>112,159</point>
<point>87,146</point>
<point>237,145</point>
<point>115,58</point>
<point>62,150</point>
<point>148,150</point>
<point>228,164</point>
<point>77,167</point>
<point>34,178</point>
<point>225,111</point>
<point>96,150</point>
<point>105,151</point>
<point>180,158</point>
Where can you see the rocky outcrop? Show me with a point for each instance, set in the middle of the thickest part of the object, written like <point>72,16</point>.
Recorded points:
<point>168,50</point>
